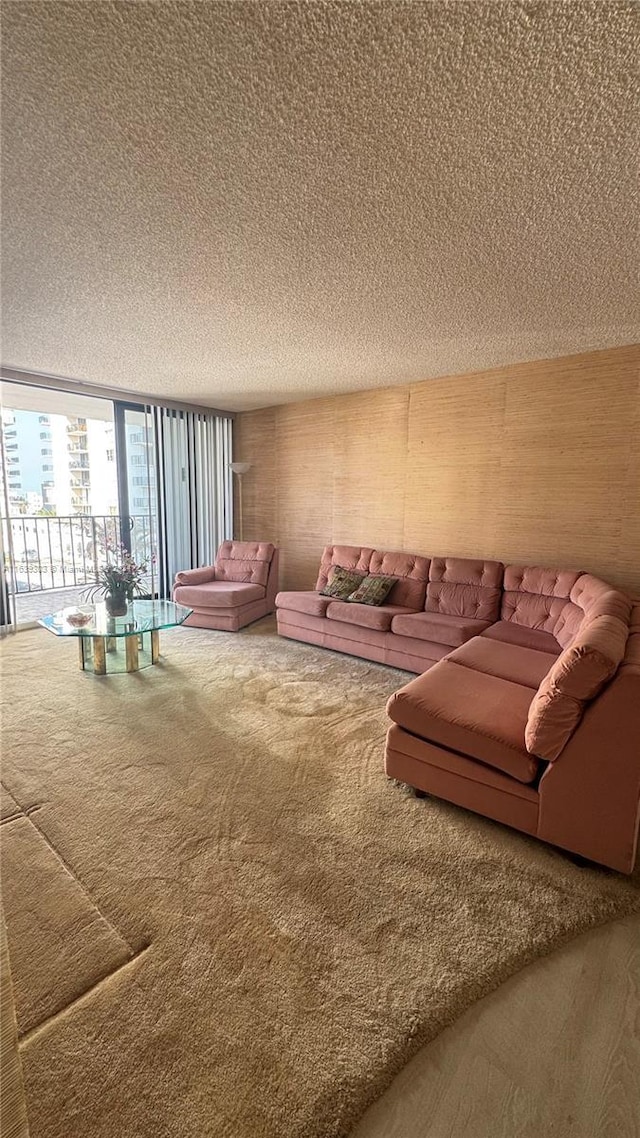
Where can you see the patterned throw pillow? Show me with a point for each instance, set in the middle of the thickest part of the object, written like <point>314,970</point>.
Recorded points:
<point>341,582</point>
<point>373,591</point>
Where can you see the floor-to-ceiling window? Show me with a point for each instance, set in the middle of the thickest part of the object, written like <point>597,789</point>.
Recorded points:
<point>83,476</point>
<point>78,481</point>
<point>137,489</point>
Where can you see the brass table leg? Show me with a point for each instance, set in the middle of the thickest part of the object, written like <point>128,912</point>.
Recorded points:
<point>111,644</point>
<point>155,646</point>
<point>132,653</point>
<point>99,656</point>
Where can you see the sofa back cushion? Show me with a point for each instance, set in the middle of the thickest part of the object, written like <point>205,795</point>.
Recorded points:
<point>411,572</point>
<point>590,597</point>
<point>568,624</point>
<point>578,675</point>
<point>459,586</point>
<point>246,561</point>
<point>354,557</point>
<point>535,597</point>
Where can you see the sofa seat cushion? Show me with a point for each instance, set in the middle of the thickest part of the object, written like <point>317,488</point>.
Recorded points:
<point>378,617</point>
<point>439,628</point>
<point>470,712</point>
<point>218,594</point>
<point>511,633</point>
<point>445,760</point>
<point>524,666</point>
<point>310,602</point>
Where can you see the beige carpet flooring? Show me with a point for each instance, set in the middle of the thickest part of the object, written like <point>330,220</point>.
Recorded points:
<point>222,919</point>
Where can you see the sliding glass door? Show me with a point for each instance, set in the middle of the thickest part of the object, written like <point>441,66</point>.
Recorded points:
<point>84,475</point>
<point>137,491</point>
<point>60,505</point>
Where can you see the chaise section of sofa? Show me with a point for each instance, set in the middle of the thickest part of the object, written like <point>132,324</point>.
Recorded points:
<point>547,742</point>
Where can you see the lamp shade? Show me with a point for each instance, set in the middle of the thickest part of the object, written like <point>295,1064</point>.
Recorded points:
<point>240,467</point>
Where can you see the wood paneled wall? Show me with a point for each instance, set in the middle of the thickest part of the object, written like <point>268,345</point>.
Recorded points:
<point>536,463</point>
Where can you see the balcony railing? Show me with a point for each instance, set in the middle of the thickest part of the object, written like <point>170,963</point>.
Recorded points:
<point>51,552</point>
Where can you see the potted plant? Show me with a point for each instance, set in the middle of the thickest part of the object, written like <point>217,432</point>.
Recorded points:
<point>119,581</point>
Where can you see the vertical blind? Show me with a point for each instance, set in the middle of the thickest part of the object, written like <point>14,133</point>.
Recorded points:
<point>7,604</point>
<point>195,492</point>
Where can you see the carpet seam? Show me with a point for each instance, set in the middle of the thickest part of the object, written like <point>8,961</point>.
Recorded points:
<point>12,817</point>
<point>70,871</point>
<point>28,1036</point>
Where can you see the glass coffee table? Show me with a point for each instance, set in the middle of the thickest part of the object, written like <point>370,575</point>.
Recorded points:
<point>109,644</point>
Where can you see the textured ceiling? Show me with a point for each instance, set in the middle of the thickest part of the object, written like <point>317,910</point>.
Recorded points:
<point>246,203</point>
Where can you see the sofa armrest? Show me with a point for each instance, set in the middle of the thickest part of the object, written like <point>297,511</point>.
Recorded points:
<point>196,576</point>
<point>590,796</point>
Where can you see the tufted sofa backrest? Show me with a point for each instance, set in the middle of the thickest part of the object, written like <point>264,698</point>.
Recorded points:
<point>411,569</point>
<point>535,597</point>
<point>412,572</point>
<point>589,599</point>
<point>562,602</point>
<point>245,561</point>
<point>461,586</point>
<point>356,557</point>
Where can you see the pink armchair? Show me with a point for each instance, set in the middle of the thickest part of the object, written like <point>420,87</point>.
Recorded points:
<point>241,587</point>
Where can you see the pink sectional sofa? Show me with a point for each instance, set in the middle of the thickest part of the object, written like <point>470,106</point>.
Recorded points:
<point>527,705</point>
<point>239,588</point>
<point>436,604</point>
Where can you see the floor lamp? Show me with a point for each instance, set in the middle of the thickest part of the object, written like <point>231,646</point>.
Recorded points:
<point>240,468</point>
